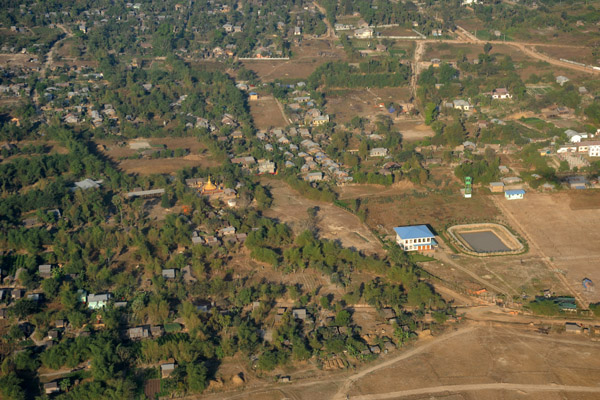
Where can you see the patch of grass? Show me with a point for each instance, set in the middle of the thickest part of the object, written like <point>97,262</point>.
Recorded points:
<point>417,257</point>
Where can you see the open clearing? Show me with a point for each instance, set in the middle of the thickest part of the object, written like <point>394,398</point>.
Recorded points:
<point>473,363</point>
<point>333,222</point>
<point>569,238</point>
<point>198,157</point>
<point>266,113</point>
<point>305,59</point>
<point>436,209</point>
<point>346,104</point>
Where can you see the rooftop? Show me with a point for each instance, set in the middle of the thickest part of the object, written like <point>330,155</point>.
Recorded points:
<point>413,232</point>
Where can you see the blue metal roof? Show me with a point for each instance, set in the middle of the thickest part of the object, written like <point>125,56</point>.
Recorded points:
<point>514,192</point>
<point>413,232</point>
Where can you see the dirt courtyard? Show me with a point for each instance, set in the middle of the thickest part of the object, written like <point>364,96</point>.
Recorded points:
<point>333,222</point>
<point>567,237</point>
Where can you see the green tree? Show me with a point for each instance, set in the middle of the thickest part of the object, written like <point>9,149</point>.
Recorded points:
<point>430,113</point>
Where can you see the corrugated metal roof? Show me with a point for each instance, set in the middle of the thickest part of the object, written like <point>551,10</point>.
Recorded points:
<point>413,232</point>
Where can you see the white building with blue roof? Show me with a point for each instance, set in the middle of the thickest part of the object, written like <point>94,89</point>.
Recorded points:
<point>415,238</point>
<point>516,194</point>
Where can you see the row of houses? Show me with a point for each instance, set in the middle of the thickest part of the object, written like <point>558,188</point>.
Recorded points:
<point>591,148</point>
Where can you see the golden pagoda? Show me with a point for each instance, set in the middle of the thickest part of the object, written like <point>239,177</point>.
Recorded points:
<point>209,186</point>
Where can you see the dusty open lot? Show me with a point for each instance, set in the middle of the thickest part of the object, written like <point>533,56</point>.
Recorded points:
<point>473,362</point>
<point>349,103</point>
<point>198,156</point>
<point>413,130</point>
<point>569,238</point>
<point>334,223</point>
<point>305,59</point>
<point>267,114</point>
<point>436,209</point>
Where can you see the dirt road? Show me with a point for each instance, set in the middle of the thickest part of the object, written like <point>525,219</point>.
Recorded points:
<point>478,387</point>
<point>330,30</point>
<point>341,394</point>
<point>50,56</point>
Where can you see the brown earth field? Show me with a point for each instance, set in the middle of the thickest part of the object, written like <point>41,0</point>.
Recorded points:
<point>413,130</point>
<point>435,209</point>
<point>266,113</point>
<point>472,362</point>
<point>567,236</point>
<point>198,156</point>
<point>305,59</point>
<point>345,104</point>
<point>334,223</point>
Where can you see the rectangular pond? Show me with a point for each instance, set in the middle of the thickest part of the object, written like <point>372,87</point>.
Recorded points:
<point>484,241</point>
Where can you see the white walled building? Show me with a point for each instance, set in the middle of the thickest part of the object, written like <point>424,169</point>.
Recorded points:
<point>415,238</point>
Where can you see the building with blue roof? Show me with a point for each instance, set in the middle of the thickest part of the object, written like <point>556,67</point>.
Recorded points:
<point>514,194</point>
<point>415,238</point>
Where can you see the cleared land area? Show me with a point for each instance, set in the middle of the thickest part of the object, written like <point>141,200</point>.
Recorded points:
<point>567,237</point>
<point>305,58</point>
<point>198,157</point>
<point>472,363</point>
<point>333,222</point>
<point>266,113</point>
<point>345,104</point>
<point>434,208</point>
<point>483,242</point>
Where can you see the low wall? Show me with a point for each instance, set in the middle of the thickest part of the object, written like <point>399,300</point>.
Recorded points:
<point>505,236</point>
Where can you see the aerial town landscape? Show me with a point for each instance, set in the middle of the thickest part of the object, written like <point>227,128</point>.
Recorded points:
<point>294,199</point>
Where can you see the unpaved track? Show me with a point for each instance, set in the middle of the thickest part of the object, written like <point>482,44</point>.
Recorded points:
<point>341,394</point>
<point>478,387</point>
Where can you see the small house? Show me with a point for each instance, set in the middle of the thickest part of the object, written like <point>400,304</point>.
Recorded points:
<point>516,194</point>
<point>45,271</point>
<point>167,369</point>
<point>51,387</point>
<point>253,96</point>
<point>168,273</point>
<point>96,301</point>
<point>378,152</point>
<point>572,327</point>
<point>314,177</point>
<point>497,187</point>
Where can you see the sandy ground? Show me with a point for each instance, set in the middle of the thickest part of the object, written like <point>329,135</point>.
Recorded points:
<point>334,223</point>
<point>568,238</point>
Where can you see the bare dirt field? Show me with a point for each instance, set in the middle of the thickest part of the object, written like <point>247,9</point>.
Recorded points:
<point>413,130</point>
<point>19,60</point>
<point>266,113</point>
<point>357,191</point>
<point>436,209</point>
<point>305,59</point>
<point>348,103</point>
<point>334,223</point>
<point>475,362</point>
<point>198,156</point>
<point>568,237</point>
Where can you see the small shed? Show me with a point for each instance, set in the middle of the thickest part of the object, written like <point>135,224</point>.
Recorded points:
<point>497,187</point>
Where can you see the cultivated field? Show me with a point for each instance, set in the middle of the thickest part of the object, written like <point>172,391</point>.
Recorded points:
<point>334,223</point>
<point>568,237</point>
<point>266,113</point>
